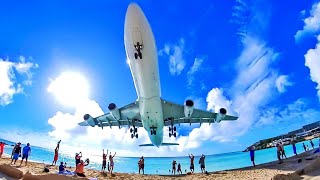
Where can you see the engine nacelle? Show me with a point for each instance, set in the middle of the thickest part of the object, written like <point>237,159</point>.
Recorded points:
<point>89,120</point>
<point>114,111</point>
<point>188,108</point>
<point>221,115</point>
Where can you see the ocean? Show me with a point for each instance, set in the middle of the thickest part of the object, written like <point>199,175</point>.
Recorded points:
<point>162,165</point>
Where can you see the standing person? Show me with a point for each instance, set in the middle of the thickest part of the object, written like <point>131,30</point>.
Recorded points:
<point>111,162</point>
<point>56,154</point>
<point>25,153</point>
<point>304,147</point>
<point>14,148</point>
<point>191,162</point>
<point>279,150</point>
<point>179,169</point>
<point>202,164</point>
<point>252,155</point>
<point>104,160</point>
<point>312,145</point>
<point>1,148</point>
<point>294,147</point>
<point>78,157</point>
<point>80,168</point>
<point>174,167</point>
<point>141,165</point>
<point>283,154</point>
<point>17,153</point>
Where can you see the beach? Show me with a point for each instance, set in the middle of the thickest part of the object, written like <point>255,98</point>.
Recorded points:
<point>290,169</point>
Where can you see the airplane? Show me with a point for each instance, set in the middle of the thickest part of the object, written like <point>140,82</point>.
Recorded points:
<point>149,110</point>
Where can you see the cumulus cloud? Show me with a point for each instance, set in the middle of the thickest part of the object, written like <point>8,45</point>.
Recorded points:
<point>282,83</point>
<point>311,23</point>
<point>9,70</point>
<point>175,52</point>
<point>256,75</point>
<point>312,58</point>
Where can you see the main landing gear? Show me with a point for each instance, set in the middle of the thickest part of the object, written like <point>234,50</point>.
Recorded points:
<point>138,47</point>
<point>153,130</point>
<point>134,132</point>
<point>173,131</point>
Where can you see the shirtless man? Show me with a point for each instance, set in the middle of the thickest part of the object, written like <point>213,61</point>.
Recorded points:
<point>141,165</point>
<point>191,163</point>
<point>111,162</point>
<point>104,160</point>
<point>56,154</point>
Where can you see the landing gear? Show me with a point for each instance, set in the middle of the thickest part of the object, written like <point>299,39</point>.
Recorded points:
<point>153,130</point>
<point>172,132</point>
<point>134,130</point>
<point>138,47</point>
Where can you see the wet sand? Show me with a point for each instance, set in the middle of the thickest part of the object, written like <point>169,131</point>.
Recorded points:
<point>290,169</point>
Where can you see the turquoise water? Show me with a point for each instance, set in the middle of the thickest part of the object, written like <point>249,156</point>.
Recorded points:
<point>161,165</point>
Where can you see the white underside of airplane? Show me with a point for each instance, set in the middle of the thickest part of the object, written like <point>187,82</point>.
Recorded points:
<point>150,110</point>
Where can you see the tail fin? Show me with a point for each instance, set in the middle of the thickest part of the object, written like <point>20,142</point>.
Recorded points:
<point>163,144</point>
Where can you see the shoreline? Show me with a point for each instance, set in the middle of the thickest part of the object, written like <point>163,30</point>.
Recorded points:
<point>261,171</point>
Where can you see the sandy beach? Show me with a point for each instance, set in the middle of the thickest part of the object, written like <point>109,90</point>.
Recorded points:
<point>290,169</point>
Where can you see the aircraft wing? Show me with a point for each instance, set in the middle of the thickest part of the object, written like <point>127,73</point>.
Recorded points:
<point>129,116</point>
<point>174,114</point>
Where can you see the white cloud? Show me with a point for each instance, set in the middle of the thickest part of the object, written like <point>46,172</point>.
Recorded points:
<point>311,23</point>
<point>256,76</point>
<point>9,83</point>
<point>176,56</point>
<point>194,68</point>
<point>312,58</point>
<point>282,83</point>
<point>297,111</point>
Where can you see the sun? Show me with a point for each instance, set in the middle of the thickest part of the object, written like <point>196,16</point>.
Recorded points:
<point>70,89</point>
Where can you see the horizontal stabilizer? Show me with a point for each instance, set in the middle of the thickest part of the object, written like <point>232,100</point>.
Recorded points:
<point>163,144</point>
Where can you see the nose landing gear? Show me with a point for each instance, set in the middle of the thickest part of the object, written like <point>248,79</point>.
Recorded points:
<point>153,130</point>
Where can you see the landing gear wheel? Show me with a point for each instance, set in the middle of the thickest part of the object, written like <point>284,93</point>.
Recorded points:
<point>174,135</point>
<point>131,130</point>
<point>132,136</point>
<point>135,55</point>
<point>140,55</point>
<point>151,132</point>
<point>169,128</point>
<point>154,132</point>
<point>137,136</point>
<point>174,129</point>
<point>135,130</point>
<point>169,134</point>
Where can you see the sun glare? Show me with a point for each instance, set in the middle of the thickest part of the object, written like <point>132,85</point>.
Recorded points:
<point>70,88</point>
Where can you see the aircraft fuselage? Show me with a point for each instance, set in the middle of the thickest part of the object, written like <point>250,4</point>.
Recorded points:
<point>143,62</point>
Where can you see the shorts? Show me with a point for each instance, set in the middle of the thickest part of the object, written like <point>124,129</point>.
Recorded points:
<point>252,158</point>
<point>142,166</point>
<point>104,164</point>
<point>111,164</point>
<point>15,156</point>
<point>25,156</point>
<point>55,157</point>
<point>202,167</point>
<point>192,166</point>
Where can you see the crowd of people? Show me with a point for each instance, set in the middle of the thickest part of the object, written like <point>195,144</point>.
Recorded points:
<point>108,161</point>
<point>281,154</point>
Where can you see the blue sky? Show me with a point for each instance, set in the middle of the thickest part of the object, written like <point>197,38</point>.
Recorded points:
<point>259,59</point>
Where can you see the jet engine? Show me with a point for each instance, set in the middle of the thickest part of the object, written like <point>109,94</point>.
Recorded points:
<point>114,111</point>
<point>221,115</point>
<point>188,108</point>
<point>89,120</point>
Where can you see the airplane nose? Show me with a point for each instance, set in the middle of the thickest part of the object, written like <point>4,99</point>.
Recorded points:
<point>133,10</point>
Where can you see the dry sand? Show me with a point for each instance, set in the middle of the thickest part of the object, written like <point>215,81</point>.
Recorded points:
<point>290,169</point>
